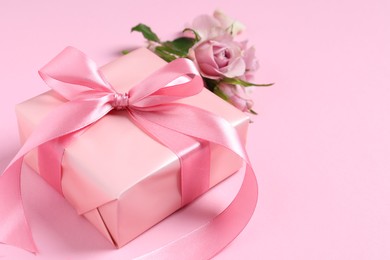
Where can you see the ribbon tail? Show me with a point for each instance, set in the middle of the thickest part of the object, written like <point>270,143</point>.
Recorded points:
<point>194,166</point>
<point>208,240</point>
<point>14,228</point>
<point>66,119</point>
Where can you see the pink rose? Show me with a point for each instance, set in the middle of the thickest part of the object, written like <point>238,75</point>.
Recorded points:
<point>251,63</point>
<point>234,27</point>
<point>209,27</point>
<point>220,57</point>
<point>237,96</point>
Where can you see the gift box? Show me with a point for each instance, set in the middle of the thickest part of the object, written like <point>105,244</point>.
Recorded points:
<point>113,173</point>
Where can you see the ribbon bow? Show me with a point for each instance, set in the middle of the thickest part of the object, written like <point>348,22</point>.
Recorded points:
<point>151,106</point>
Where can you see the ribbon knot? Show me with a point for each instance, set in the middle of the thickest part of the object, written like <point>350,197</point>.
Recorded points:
<point>121,101</point>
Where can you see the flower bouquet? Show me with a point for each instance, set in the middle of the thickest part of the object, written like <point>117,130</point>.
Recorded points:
<point>225,64</point>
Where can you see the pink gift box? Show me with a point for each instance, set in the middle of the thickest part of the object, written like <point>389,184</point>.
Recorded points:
<point>114,174</point>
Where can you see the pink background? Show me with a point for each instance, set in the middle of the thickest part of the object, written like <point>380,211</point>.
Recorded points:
<point>320,145</point>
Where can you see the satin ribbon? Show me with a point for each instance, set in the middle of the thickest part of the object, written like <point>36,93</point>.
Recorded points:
<point>151,106</point>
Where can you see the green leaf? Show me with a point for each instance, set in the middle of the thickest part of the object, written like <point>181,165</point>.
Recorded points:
<point>146,32</point>
<point>217,91</point>
<point>237,81</point>
<point>179,46</point>
<point>124,52</point>
<point>197,36</point>
<point>253,111</point>
<point>164,54</point>
<point>211,84</point>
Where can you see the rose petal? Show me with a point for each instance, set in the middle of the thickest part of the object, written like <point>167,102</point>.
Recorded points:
<point>241,98</point>
<point>236,96</point>
<point>207,27</point>
<point>221,56</point>
<point>235,69</point>
<point>227,23</point>
<point>250,59</point>
<point>209,71</point>
<point>204,54</point>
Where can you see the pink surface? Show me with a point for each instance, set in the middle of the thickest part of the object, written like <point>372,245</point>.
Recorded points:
<point>320,145</point>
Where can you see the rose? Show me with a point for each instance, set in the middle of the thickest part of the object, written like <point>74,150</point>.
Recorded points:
<point>236,95</point>
<point>220,57</point>
<point>234,27</point>
<point>209,27</point>
<point>251,62</point>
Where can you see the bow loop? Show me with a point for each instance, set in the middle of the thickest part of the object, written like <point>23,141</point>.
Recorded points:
<point>79,76</point>
<point>72,73</point>
<point>177,80</point>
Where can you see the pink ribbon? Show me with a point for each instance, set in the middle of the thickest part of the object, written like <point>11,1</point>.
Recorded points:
<point>151,106</point>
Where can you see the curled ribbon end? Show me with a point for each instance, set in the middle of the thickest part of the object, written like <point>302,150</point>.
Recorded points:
<point>25,242</point>
<point>28,242</point>
<point>31,247</point>
<point>14,228</point>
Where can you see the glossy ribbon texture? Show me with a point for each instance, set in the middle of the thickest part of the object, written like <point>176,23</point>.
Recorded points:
<point>151,106</point>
